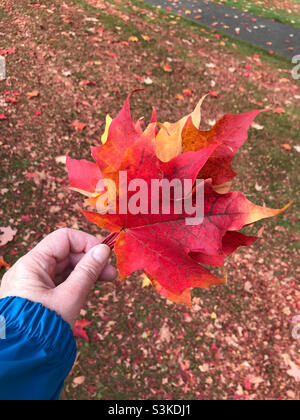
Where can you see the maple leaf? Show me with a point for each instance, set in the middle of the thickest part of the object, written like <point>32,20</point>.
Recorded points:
<point>213,93</point>
<point>170,252</point>
<point>33,94</point>
<point>78,330</point>
<point>107,125</point>
<point>230,132</point>
<point>294,371</point>
<point>3,263</point>
<point>167,68</point>
<point>168,140</point>
<point>187,92</point>
<point>231,241</point>
<point>279,111</point>
<point>8,51</point>
<point>133,39</point>
<point>79,126</point>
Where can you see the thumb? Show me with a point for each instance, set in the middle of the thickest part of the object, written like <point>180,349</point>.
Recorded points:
<point>86,273</point>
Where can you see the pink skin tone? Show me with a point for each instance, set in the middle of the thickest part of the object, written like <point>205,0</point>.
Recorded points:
<point>60,272</point>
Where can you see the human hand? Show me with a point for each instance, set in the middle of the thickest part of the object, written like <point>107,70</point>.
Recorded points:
<point>60,272</point>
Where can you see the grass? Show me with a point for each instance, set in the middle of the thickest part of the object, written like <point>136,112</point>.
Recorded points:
<point>2,13</point>
<point>237,45</point>
<point>257,8</point>
<point>124,358</point>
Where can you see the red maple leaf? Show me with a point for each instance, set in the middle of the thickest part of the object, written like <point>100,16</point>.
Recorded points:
<point>8,51</point>
<point>167,249</point>
<point>79,126</point>
<point>3,263</point>
<point>78,330</point>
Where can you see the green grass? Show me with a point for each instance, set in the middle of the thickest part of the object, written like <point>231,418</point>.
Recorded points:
<point>129,29</point>
<point>279,15</point>
<point>110,21</point>
<point>2,13</point>
<point>116,374</point>
<point>242,47</point>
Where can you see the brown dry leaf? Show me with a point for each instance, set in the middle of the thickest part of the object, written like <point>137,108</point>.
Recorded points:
<point>257,126</point>
<point>286,147</point>
<point>79,380</point>
<point>32,94</point>
<point>61,159</point>
<point>7,234</point>
<point>294,372</point>
<point>165,334</point>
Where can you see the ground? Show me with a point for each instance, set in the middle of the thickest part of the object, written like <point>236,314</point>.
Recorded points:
<point>75,61</point>
<point>285,11</point>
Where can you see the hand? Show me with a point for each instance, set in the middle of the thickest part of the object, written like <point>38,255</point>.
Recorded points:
<point>60,272</point>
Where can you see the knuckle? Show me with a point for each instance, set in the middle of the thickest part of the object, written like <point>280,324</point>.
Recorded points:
<point>89,270</point>
<point>64,230</point>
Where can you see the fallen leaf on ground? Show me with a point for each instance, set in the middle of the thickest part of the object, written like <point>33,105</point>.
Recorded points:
<point>133,39</point>
<point>3,263</point>
<point>187,92</point>
<point>7,234</point>
<point>279,111</point>
<point>286,146</point>
<point>294,372</point>
<point>165,333</point>
<point>32,94</point>
<point>79,380</point>
<point>61,159</point>
<point>167,68</point>
<point>257,126</point>
<point>78,330</point>
<point>78,125</point>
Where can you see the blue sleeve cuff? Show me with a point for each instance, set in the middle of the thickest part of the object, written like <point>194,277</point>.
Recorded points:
<point>37,352</point>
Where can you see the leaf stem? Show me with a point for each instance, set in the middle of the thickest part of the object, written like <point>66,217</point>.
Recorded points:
<point>111,239</point>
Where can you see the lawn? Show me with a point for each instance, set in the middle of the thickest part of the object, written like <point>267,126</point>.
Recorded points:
<point>76,61</point>
<point>284,11</point>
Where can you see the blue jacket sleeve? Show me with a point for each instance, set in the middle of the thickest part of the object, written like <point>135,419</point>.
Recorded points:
<point>37,351</point>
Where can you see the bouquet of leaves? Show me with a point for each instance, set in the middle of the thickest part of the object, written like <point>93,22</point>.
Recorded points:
<point>171,253</point>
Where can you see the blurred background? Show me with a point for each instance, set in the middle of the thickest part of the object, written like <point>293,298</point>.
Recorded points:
<point>70,63</point>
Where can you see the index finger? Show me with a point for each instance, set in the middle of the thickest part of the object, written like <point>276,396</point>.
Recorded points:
<point>61,243</point>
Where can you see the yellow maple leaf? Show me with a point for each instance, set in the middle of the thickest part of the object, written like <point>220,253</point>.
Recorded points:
<point>133,39</point>
<point>168,141</point>
<point>107,125</point>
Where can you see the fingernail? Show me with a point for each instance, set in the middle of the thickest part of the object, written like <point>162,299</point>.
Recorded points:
<point>101,253</point>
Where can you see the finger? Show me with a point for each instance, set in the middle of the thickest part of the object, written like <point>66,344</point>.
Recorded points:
<point>80,282</point>
<point>61,243</point>
<point>57,247</point>
<point>109,273</point>
<point>70,262</point>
